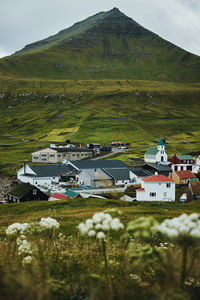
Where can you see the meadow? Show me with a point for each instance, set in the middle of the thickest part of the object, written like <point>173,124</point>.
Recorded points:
<point>66,265</point>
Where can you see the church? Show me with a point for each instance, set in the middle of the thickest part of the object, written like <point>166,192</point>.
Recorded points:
<point>156,154</point>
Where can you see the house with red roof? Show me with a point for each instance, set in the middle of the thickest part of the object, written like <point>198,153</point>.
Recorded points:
<point>156,188</point>
<point>58,196</point>
<point>182,177</point>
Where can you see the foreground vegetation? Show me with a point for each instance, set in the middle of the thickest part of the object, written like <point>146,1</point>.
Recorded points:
<point>66,265</point>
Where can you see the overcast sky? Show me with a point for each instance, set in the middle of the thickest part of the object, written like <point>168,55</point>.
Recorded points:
<point>26,21</point>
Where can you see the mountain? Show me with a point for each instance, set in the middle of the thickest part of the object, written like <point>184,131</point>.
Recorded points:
<point>108,45</point>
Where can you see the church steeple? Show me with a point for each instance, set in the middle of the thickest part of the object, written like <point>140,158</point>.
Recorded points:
<point>161,145</point>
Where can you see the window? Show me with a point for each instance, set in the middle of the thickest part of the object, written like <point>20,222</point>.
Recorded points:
<point>175,168</point>
<point>168,185</point>
<point>181,168</point>
<point>165,194</point>
<point>35,157</point>
<point>43,159</point>
<point>152,194</point>
<point>43,155</point>
<point>52,155</point>
<point>34,192</point>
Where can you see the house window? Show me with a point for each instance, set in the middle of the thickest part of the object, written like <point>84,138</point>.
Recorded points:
<point>165,194</point>
<point>44,155</point>
<point>52,155</point>
<point>34,191</point>
<point>175,168</point>
<point>152,194</point>
<point>181,168</point>
<point>43,159</point>
<point>168,185</point>
<point>35,157</point>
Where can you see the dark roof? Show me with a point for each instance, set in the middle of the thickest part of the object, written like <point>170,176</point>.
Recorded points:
<point>50,170</point>
<point>21,190</point>
<point>159,167</point>
<point>140,171</point>
<point>98,164</point>
<point>75,149</point>
<point>118,174</point>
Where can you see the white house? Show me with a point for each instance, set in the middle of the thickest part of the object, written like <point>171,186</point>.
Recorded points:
<point>156,154</point>
<point>156,188</point>
<point>44,174</point>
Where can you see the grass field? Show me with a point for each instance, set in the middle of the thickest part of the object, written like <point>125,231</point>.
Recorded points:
<point>138,112</point>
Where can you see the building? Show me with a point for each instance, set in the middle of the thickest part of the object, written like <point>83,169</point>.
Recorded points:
<point>181,162</point>
<point>156,188</point>
<point>156,154</point>
<point>193,191</point>
<point>92,173</point>
<point>182,177</point>
<point>61,153</point>
<point>137,173</point>
<point>24,192</point>
<point>46,174</point>
<point>119,176</point>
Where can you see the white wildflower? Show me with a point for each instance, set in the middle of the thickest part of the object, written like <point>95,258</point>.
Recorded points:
<point>100,223</point>
<point>182,227</point>
<point>91,233</point>
<point>24,247</point>
<point>101,235</point>
<point>49,223</point>
<point>16,228</point>
<point>27,260</point>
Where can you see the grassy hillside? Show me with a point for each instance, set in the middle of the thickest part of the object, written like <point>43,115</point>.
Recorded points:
<point>36,113</point>
<point>108,45</point>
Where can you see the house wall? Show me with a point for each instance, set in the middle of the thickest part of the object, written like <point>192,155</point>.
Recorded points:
<point>150,158</point>
<point>181,167</point>
<point>38,180</point>
<point>84,178</point>
<point>163,193</point>
<point>161,154</point>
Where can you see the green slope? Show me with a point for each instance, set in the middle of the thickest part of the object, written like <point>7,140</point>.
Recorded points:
<point>108,45</point>
<point>139,112</point>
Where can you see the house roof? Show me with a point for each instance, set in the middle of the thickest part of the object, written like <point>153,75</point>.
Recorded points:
<point>185,174</point>
<point>195,186</point>
<point>194,179</point>
<point>71,194</point>
<point>21,190</point>
<point>59,196</point>
<point>161,142</point>
<point>98,164</point>
<point>118,174</point>
<point>157,178</point>
<point>185,157</point>
<point>140,190</point>
<point>159,167</point>
<point>73,149</point>
<point>50,170</point>
<point>152,151</point>
<point>140,172</point>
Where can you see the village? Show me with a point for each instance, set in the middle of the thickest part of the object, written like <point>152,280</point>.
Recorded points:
<point>68,171</point>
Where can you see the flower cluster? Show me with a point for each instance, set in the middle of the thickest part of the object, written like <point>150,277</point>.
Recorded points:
<point>181,229</point>
<point>49,223</point>
<point>99,225</point>
<point>17,228</point>
<point>21,230</point>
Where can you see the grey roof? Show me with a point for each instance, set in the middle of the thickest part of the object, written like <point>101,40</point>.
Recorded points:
<point>98,164</point>
<point>140,171</point>
<point>118,174</point>
<point>97,174</point>
<point>50,170</point>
